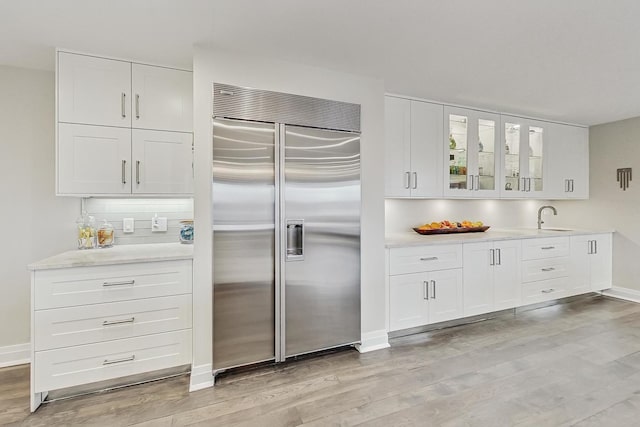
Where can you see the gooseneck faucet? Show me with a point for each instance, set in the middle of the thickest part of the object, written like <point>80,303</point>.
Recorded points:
<point>540,221</point>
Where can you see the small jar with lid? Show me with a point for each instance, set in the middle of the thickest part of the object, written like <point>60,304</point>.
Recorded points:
<point>105,235</point>
<point>186,231</point>
<point>86,231</point>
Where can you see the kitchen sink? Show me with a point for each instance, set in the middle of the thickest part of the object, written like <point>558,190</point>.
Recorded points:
<point>555,229</point>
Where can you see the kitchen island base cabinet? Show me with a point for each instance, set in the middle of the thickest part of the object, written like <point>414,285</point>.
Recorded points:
<point>591,263</point>
<point>96,323</point>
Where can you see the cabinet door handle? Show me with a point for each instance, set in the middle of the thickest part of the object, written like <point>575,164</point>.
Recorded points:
<point>123,283</point>
<point>433,294</point>
<point>118,322</point>
<point>470,182</point>
<point>524,184</point>
<point>548,269</point>
<point>137,106</point>
<point>492,257</point>
<point>138,172</point>
<point>430,258</point>
<point>589,247</point>
<point>499,251</point>
<point>566,185</point>
<point>415,180</point>
<point>528,184</point>
<point>425,290</point>
<point>123,105</point>
<point>544,248</point>
<point>571,185</point>
<point>477,182</point>
<point>595,246</point>
<point>124,172</point>
<point>124,359</point>
<point>547,291</point>
<point>407,180</point>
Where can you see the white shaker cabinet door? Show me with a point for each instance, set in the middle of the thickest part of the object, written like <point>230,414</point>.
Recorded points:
<point>445,296</point>
<point>162,98</point>
<point>397,147</point>
<point>94,91</point>
<point>478,278</point>
<point>506,275</point>
<point>93,160</point>
<point>426,149</point>
<point>162,162</point>
<point>408,301</point>
<point>601,262</point>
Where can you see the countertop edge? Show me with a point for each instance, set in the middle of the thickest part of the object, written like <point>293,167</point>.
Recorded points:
<point>414,239</point>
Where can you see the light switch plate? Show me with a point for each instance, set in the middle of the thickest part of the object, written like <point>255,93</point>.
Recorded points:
<point>128,225</point>
<point>158,223</point>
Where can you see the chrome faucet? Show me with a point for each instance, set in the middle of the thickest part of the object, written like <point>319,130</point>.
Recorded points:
<point>540,221</point>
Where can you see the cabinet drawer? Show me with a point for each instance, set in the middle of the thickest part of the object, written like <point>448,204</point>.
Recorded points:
<point>67,367</point>
<point>544,269</point>
<point>544,290</point>
<point>95,285</point>
<point>547,247</point>
<point>424,258</point>
<point>65,327</point>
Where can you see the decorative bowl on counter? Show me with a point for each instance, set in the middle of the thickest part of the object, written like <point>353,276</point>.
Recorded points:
<point>452,230</point>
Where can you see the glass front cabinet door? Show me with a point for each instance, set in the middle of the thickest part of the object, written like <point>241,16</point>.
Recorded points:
<point>473,151</point>
<point>523,157</point>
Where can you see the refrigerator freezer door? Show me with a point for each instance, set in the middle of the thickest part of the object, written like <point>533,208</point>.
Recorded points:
<point>243,243</point>
<point>322,193</point>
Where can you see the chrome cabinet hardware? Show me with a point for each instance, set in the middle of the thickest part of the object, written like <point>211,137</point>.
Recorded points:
<point>118,322</point>
<point>548,269</point>
<point>544,248</point>
<point>123,283</point>
<point>137,106</point>
<point>123,106</point>
<point>415,180</point>
<point>137,171</point>
<point>492,257</point>
<point>433,293</point>
<point>477,182</point>
<point>547,291</point>
<point>499,252</point>
<point>430,258</point>
<point>407,180</point>
<point>124,172</point>
<point>124,359</point>
<point>425,290</point>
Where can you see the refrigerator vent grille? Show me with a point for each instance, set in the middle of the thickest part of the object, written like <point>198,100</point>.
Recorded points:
<point>235,102</point>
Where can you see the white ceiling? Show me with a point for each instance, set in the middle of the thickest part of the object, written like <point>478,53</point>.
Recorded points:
<point>570,60</point>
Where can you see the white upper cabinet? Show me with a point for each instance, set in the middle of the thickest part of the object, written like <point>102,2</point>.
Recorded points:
<point>162,98</point>
<point>93,160</point>
<point>472,153</point>
<point>93,90</point>
<point>568,150</point>
<point>413,151</point>
<point>524,157</point>
<point>161,162</point>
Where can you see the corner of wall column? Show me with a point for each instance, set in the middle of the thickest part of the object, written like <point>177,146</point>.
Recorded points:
<point>375,340</point>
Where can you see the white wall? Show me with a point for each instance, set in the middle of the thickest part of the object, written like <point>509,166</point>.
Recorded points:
<point>402,215</point>
<point>35,223</point>
<point>226,67</point>
<point>612,146</point>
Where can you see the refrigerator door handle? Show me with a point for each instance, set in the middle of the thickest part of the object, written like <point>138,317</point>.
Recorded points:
<point>295,240</point>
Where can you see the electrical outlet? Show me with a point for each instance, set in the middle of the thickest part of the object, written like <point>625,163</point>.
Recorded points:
<point>128,225</point>
<point>158,223</point>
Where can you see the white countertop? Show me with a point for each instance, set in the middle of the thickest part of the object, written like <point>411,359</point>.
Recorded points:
<point>412,238</point>
<point>123,254</point>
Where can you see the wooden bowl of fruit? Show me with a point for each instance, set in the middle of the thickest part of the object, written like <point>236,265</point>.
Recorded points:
<point>447,227</point>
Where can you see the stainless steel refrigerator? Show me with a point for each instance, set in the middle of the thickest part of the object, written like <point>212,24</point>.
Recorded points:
<point>286,225</point>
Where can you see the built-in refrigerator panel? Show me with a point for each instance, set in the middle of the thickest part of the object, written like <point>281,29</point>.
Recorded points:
<point>244,242</point>
<point>321,228</point>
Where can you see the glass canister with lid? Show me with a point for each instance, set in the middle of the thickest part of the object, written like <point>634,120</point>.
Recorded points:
<point>86,231</point>
<point>105,235</point>
<point>186,231</point>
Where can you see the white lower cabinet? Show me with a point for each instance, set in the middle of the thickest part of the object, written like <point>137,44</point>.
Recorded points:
<point>491,276</point>
<point>100,323</point>
<point>425,285</point>
<point>440,282</point>
<point>591,262</point>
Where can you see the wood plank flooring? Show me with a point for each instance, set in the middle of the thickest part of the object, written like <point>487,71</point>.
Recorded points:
<point>576,363</point>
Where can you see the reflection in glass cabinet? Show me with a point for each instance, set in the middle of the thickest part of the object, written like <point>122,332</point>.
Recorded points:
<point>512,156</point>
<point>458,154</point>
<point>486,154</point>
<point>523,156</point>
<point>535,158</point>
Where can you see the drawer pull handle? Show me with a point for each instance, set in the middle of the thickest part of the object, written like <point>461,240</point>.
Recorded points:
<point>125,283</point>
<point>544,248</point>
<point>118,322</point>
<point>547,291</point>
<point>124,359</point>
<point>430,258</point>
<point>548,269</point>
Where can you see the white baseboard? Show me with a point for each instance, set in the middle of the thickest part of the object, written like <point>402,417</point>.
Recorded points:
<point>18,354</point>
<point>201,377</point>
<point>376,340</point>
<point>623,293</point>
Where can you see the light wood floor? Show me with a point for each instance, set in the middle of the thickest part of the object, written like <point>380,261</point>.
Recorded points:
<point>576,363</point>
